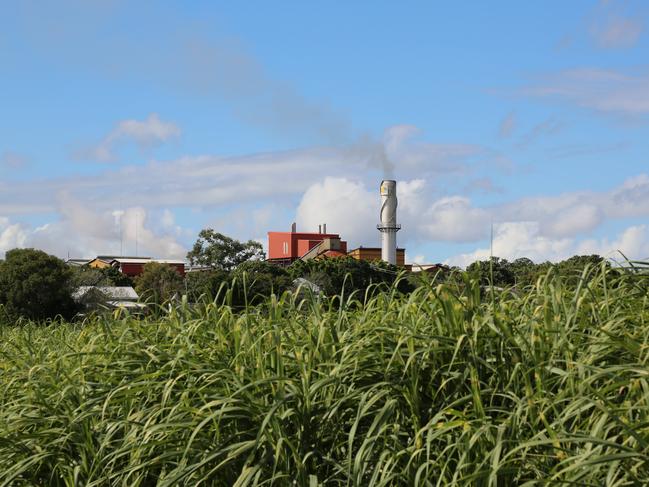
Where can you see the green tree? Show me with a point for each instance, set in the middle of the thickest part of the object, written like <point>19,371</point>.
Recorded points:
<point>571,269</point>
<point>205,283</point>
<point>525,271</point>
<point>221,252</point>
<point>494,272</point>
<point>254,281</point>
<point>346,273</point>
<point>108,276</point>
<point>35,285</point>
<point>158,283</point>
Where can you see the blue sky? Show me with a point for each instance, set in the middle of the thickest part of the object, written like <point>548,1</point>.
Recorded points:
<point>162,118</point>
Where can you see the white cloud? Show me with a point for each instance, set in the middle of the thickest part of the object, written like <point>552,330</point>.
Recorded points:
<point>352,209</point>
<point>210,181</point>
<point>524,239</point>
<point>146,133</point>
<point>605,91</point>
<point>573,220</point>
<point>412,156</point>
<point>11,235</point>
<point>347,208</point>
<point>82,232</point>
<point>454,219</point>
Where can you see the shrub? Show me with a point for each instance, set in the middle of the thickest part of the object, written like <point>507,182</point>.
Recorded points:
<point>35,285</point>
<point>158,283</point>
<point>254,281</point>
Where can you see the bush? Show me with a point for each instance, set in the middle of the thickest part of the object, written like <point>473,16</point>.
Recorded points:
<point>35,285</point>
<point>158,283</point>
<point>205,283</point>
<point>347,274</point>
<point>108,276</point>
<point>254,281</point>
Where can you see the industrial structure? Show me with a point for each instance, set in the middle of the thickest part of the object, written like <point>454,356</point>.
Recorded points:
<point>130,266</point>
<point>389,226</point>
<point>374,253</point>
<point>285,248</point>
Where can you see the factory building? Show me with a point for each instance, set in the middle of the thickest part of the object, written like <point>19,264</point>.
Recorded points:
<point>287,247</point>
<point>374,253</point>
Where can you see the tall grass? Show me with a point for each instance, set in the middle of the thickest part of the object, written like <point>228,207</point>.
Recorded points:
<point>440,387</point>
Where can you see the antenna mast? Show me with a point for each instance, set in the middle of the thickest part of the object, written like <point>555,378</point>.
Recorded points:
<point>136,215</point>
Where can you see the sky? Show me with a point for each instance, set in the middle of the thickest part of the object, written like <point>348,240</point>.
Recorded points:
<point>127,127</point>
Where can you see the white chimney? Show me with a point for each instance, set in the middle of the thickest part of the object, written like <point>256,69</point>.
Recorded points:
<point>388,226</point>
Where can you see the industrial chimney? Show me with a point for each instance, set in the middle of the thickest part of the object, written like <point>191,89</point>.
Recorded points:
<point>388,226</point>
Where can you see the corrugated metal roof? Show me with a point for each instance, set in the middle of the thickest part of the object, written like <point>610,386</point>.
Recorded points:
<point>145,260</point>
<point>121,293</point>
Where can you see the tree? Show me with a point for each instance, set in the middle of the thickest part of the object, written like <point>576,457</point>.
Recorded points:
<point>35,285</point>
<point>571,269</point>
<point>158,283</point>
<point>205,283</point>
<point>334,275</point>
<point>261,280</point>
<point>220,252</point>
<point>525,271</point>
<point>494,272</point>
<point>108,276</point>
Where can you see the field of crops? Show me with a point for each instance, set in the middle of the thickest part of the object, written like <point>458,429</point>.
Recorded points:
<point>439,387</point>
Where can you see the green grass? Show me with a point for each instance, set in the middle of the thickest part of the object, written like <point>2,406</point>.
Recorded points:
<point>441,387</point>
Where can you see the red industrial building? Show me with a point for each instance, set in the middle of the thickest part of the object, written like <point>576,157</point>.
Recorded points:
<point>287,247</point>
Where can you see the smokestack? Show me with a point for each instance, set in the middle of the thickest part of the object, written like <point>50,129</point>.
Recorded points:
<point>388,226</point>
<point>324,228</point>
<point>294,227</point>
<point>319,228</point>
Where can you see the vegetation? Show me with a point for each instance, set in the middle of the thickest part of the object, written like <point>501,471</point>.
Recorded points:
<point>254,281</point>
<point>523,272</point>
<point>442,386</point>
<point>218,251</point>
<point>108,276</point>
<point>35,285</point>
<point>158,283</point>
<point>345,275</point>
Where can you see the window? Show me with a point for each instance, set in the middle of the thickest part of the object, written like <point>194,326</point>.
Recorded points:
<point>285,248</point>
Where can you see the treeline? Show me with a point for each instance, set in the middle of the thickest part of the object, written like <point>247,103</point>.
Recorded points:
<point>37,286</point>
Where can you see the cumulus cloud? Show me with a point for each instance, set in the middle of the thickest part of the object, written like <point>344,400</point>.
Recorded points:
<point>351,208</point>
<point>347,207</point>
<point>12,235</point>
<point>144,133</point>
<point>524,239</point>
<point>82,232</point>
<point>454,219</point>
